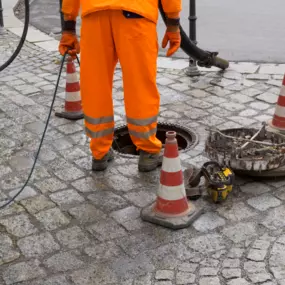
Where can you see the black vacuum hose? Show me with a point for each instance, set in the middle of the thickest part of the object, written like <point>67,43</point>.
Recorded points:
<point>203,58</point>
<point>23,37</point>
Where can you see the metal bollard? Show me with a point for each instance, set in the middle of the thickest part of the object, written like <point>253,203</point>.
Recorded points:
<point>192,69</point>
<point>1,15</point>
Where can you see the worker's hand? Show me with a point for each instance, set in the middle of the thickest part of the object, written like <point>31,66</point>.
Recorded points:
<point>172,35</point>
<point>69,42</point>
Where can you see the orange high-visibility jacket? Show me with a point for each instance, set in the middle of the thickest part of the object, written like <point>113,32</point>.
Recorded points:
<point>146,8</point>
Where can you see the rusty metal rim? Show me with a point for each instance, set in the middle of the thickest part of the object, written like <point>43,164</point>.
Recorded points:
<point>264,165</point>
<point>192,140</point>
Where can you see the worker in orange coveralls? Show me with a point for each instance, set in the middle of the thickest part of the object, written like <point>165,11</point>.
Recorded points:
<point>123,30</point>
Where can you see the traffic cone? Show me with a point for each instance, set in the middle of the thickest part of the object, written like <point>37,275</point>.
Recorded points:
<point>73,108</point>
<point>278,121</point>
<point>171,209</point>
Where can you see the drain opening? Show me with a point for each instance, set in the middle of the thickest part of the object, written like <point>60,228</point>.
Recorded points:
<point>186,138</point>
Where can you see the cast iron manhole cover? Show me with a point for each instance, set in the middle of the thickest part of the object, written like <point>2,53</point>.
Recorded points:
<point>186,138</point>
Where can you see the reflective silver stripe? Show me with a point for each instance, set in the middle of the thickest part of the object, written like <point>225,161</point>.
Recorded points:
<point>98,121</point>
<point>142,122</point>
<point>144,135</point>
<point>99,134</point>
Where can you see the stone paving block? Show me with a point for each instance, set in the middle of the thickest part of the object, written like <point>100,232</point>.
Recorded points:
<point>231,263</point>
<point>95,274</point>
<point>208,222</point>
<point>66,197</point>
<point>61,144</point>
<point>103,252</point>
<point>164,81</point>
<point>198,93</point>
<point>37,204</point>
<point>38,245</point>
<point>201,104</point>
<point>263,118</point>
<point>195,113</point>
<point>274,220</point>
<point>264,202</point>
<point>259,277</point>
<point>86,213</point>
<point>241,120</point>
<point>277,83</point>
<point>208,271</point>
<point>236,212</point>
<point>101,230</point>
<point>12,209</point>
<point>73,153</point>
<point>23,271</point>
<point>70,128</point>
<point>7,251</point>
<point>63,261</point>
<point>207,243</point>
<point>257,76</point>
<point>232,106</point>
<point>19,225</point>
<point>21,163</point>
<point>188,267</point>
<point>143,280</point>
<point>50,185</point>
<point>122,184</point>
<point>240,232</point>
<point>257,254</point>
<point>212,120</point>
<point>126,215</point>
<point>55,280</point>
<point>141,198</point>
<point>52,219</point>
<point>244,67</point>
<point>209,281</point>
<point>36,127</point>
<point>268,97</point>
<point>231,273</point>
<point>107,201</point>
<point>170,115</point>
<point>72,237</point>
<point>238,281</point>
<point>163,283</point>
<point>185,278</point>
<point>255,188</point>
<point>272,69</point>
<point>28,192</point>
<point>164,275</point>
<point>69,174</point>
<point>259,106</point>
<point>261,244</point>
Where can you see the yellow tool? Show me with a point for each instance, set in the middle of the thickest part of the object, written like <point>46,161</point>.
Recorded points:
<point>219,180</point>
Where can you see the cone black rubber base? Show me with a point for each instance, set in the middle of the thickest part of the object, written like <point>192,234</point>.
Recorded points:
<point>70,115</point>
<point>175,223</point>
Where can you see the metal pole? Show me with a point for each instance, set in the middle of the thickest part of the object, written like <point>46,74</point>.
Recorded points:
<point>1,15</point>
<point>61,14</point>
<point>192,69</point>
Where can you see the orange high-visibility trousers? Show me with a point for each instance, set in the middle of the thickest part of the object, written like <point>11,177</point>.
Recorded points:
<point>107,36</point>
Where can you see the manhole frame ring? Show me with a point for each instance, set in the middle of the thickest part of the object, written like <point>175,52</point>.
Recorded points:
<point>191,133</point>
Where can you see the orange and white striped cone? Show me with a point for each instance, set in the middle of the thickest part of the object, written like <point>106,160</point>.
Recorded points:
<point>72,108</point>
<point>171,208</point>
<point>278,121</point>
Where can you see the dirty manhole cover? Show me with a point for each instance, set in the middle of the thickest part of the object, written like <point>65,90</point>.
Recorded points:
<point>186,138</point>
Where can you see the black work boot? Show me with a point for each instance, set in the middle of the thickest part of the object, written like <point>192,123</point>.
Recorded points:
<point>102,164</point>
<point>149,161</point>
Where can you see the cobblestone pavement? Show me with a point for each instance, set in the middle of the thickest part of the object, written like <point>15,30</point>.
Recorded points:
<point>72,226</point>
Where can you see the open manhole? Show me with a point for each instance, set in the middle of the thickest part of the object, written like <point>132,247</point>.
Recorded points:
<point>186,138</point>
